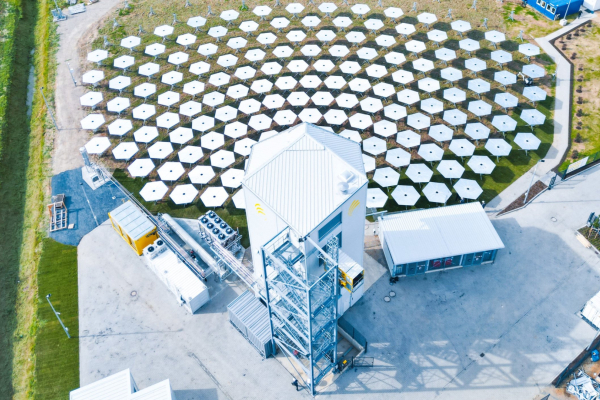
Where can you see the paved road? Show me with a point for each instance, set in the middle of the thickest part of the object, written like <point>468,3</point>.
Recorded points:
<point>68,111</point>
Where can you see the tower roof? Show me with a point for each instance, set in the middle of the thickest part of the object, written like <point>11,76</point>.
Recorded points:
<point>304,174</point>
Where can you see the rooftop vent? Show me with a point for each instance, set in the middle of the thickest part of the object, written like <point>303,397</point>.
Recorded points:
<point>346,176</point>
<point>343,187</point>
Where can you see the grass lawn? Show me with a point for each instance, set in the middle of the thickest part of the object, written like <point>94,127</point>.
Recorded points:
<point>9,15</point>
<point>533,24</point>
<point>57,357</point>
<point>586,91</point>
<point>20,204</point>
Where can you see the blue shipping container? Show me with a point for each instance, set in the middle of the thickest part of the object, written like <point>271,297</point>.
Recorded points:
<point>555,9</point>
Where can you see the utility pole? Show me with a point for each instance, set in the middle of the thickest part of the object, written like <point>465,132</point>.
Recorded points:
<point>49,110</point>
<point>71,72</point>
<point>58,316</point>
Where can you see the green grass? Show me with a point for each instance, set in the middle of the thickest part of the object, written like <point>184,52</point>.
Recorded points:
<point>13,181</point>
<point>589,57</point>
<point>233,216</point>
<point>9,15</point>
<point>57,357</point>
<point>22,180</point>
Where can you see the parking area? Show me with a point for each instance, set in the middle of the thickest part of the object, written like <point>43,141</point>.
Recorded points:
<point>495,331</point>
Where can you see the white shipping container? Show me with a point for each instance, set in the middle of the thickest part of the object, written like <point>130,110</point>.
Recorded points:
<point>591,310</point>
<point>182,282</point>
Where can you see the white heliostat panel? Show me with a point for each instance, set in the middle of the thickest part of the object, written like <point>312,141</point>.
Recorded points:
<point>189,290</point>
<point>294,179</point>
<point>591,311</point>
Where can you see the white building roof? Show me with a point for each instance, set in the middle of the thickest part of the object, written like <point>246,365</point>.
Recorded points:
<point>132,220</point>
<point>296,173</point>
<point>591,310</point>
<point>114,387</point>
<point>121,386</point>
<point>160,391</point>
<point>438,232</point>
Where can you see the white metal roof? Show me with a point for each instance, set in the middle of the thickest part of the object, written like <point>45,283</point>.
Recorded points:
<point>438,232</point>
<point>132,220</point>
<point>160,391</point>
<point>114,387</point>
<point>591,310</point>
<point>121,386</point>
<point>296,174</point>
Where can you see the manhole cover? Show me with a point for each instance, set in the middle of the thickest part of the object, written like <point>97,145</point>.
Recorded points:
<point>134,293</point>
<point>553,219</point>
<point>386,299</point>
<point>392,294</point>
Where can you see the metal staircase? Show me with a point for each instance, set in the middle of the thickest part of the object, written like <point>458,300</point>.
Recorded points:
<point>303,305</point>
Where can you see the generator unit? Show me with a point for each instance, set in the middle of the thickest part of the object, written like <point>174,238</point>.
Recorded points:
<point>352,284</point>
<point>155,249</point>
<point>216,229</point>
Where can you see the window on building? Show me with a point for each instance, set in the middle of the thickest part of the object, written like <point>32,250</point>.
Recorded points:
<point>330,226</point>
<point>326,247</point>
<point>452,261</point>
<point>541,3</point>
<point>488,255</point>
<point>400,269</point>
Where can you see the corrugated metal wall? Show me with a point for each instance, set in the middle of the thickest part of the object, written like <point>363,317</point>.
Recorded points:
<point>251,318</point>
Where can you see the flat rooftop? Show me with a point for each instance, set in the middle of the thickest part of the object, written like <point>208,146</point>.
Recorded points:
<point>439,232</point>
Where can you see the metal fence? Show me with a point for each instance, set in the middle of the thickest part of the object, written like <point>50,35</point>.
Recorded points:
<point>579,165</point>
<point>356,335</point>
<point>577,361</point>
<point>362,362</point>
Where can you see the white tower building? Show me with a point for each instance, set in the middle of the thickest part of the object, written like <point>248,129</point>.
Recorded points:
<point>305,190</point>
<point>310,180</point>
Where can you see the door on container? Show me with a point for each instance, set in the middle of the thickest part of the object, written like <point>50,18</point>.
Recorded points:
<point>411,269</point>
<point>400,269</point>
<point>468,259</point>
<point>488,256</point>
<point>422,267</point>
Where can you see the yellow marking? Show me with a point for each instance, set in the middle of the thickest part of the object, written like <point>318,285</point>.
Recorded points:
<point>259,209</point>
<point>353,206</point>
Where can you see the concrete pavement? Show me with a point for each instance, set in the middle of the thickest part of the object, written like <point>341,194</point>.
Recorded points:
<point>500,331</point>
<point>73,34</point>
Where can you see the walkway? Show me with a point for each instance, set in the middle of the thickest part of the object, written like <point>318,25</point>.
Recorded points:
<point>74,36</point>
<point>562,118</point>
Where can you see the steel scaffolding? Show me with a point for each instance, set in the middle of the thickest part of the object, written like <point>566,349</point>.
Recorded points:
<point>301,293</point>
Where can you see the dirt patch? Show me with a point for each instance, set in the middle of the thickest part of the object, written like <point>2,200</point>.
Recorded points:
<point>536,189</point>
<point>585,128</point>
<point>592,236</point>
